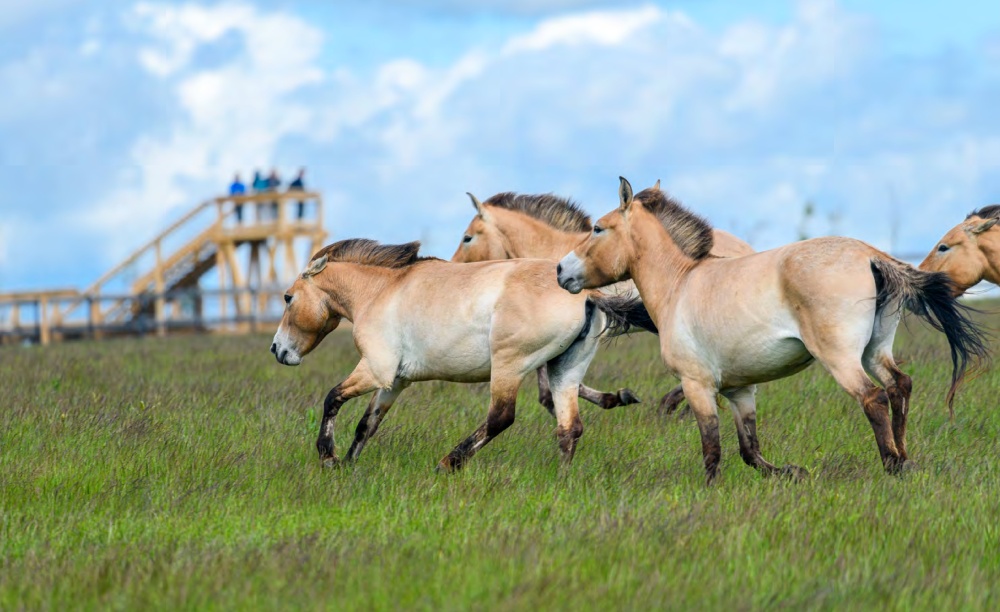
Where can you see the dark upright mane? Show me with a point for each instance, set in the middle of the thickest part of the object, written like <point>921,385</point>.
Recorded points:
<point>561,213</point>
<point>691,233</point>
<point>371,253</point>
<point>987,212</point>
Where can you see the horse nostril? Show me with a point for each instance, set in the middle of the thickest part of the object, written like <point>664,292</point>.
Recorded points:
<point>559,269</point>
<point>274,348</point>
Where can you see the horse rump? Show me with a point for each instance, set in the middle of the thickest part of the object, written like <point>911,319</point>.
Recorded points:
<point>930,296</point>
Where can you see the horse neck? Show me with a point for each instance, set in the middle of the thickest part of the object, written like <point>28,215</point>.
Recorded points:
<point>658,266</point>
<point>525,236</point>
<point>989,244</point>
<point>352,287</point>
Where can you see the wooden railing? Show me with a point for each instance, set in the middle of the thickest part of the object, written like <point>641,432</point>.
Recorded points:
<point>206,237</point>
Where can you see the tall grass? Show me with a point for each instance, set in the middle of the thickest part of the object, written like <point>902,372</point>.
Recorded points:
<point>182,473</point>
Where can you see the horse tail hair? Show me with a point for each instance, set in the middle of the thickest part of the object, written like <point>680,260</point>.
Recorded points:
<point>623,312</point>
<point>931,296</point>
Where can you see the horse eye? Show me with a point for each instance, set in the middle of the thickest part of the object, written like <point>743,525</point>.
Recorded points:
<point>598,229</point>
<point>288,299</point>
<point>942,248</point>
<point>466,239</point>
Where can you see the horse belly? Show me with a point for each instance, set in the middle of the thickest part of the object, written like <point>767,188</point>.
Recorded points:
<point>456,352</point>
<point>763,361</point>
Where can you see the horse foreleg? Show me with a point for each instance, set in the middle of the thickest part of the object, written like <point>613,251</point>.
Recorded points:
<point>377,409</point>
<point>899,401</point>
<point>360,381</point>
<point>702,398</point>
<point>503,396</point>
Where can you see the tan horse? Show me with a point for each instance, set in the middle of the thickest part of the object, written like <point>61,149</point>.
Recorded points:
<point>511,226</point>
<point>727,324</point>
<point>970,252</point>
<point>425,319</point>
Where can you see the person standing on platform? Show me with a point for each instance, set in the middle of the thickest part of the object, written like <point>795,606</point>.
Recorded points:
<point>259,187</point>
<point>299,185</point>
<point>237,188</point>
<point>273,182</point>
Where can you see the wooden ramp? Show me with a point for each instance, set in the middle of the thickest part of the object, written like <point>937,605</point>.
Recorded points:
<point>256,245</point>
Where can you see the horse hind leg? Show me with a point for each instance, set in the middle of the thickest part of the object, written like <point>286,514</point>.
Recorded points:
<point>378,407</point>
<point>743,403</point>
<point>623,397</point>
<point>606,400</point>
<point>567,370</point>
<point>898,386</point>
<point>672,401</point>
<point>545,390</point>
<point>875,402</point>
<point>879,363</point>
<point>503,397</point>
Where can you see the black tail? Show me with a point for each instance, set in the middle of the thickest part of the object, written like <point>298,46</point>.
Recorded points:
<point>623,313</point>
<point>930,295</point>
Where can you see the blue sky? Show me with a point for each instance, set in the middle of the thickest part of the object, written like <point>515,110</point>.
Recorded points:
<point>118,117</point>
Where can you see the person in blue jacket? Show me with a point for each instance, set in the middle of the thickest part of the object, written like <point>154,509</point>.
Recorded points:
<point>237,188</point>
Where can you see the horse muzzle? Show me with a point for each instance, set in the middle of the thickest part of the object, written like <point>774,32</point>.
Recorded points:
<point>284,355</point>
<point>569,273</point>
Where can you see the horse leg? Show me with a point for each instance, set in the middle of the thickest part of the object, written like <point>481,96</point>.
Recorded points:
<point>875,402</point>
<point>743,403</point>
<point>898,387</point>
<point>672,401</point>
<point>622,397</point>
<point>359,382</point>
<point>701,397</point>
<point>503,396</point>
<point>377,409</point>
<point>545,390</point>
<point>879,363</point>
<point>567,370</point>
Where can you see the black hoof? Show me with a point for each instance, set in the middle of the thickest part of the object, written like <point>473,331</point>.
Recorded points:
<point>626,397</point>
<point>448,465</point>
<point>330,462</point>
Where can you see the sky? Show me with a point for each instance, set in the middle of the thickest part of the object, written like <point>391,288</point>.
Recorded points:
<point>118,117</point>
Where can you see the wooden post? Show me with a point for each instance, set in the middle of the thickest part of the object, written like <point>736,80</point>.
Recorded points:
<point>44,332</point>
<point>158,305</point>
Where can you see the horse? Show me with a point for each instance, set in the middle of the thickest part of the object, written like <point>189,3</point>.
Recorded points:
<point>511,226</point>
<point>970,251</point>
<point>727,324</point>
<point>418,319</point>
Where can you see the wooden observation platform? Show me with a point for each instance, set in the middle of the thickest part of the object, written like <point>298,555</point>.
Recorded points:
<point>254,244</point>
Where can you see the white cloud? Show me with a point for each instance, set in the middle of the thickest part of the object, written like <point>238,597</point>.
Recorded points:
<point>743,123</point>
<point>601,28</point>
<point>233,115</point>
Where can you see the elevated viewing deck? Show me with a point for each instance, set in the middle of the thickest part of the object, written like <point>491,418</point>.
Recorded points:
<point>255,243</point>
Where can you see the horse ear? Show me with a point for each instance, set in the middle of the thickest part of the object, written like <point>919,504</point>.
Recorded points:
<point>985,225</point>
<point>656,187</point>
<point>625,194</point>
<point>480,209</point>
<point>315,267</point>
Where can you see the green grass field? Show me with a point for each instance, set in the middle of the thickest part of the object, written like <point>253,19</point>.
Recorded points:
<point>182,473</point>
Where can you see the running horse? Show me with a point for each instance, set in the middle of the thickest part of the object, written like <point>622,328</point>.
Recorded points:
<point>727,324</point>
<point>419,319</point>
<point>970,251</point>
<point>511,226</point>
